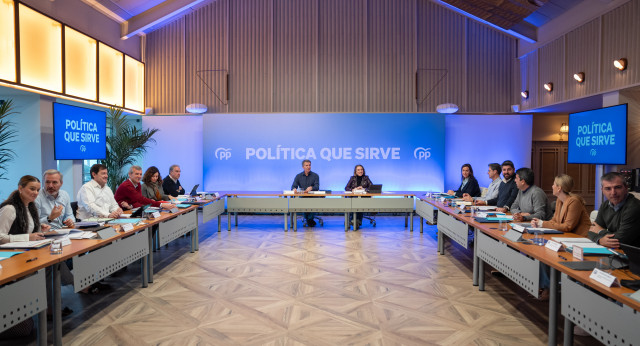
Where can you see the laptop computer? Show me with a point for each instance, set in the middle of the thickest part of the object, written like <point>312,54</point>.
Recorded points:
<point>140,211</point>
<point>194,191</point>
<point>633,254</point>
<point>375,188</point>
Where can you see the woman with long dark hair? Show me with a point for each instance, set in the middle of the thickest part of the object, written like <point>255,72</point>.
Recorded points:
<point>19,220</point>
<point>469,183</point>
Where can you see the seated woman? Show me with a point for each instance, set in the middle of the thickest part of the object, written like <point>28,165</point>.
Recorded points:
<point>571,214</point>
<point>152,187</point>
<point>19,220</point>
<point>469,183</point>
<point>359,182</point>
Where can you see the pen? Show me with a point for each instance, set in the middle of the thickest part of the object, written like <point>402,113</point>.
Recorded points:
<point>563,257</point>
<point>32,259</point>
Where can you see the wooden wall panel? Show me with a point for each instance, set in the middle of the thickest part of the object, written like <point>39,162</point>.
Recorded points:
<point>250,56</point>
<point>391,56</point>
<point>342,56</point>
<point>620,29</point>
<point>529,80</point>
<point>490,81</point>
<point>441,49</point>
<point>295,49</point>
<point>551,69</point>
<point>206,64</point>
<point>328,56</point>
<point>582,47</point>
<point>165,78</point>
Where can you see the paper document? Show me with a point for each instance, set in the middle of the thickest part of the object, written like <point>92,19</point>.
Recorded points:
<point>32,244</point>
<point>485,207</point>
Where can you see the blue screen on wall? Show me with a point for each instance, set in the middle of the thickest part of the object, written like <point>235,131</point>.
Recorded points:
<point>79,133</point>
<point>599,136</point>
<point>264,152</point>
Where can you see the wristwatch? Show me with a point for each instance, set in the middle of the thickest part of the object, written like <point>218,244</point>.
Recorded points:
<point>49,220</point>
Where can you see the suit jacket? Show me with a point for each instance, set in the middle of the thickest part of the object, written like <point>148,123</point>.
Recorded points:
<point>353,183</point>
<point>171,188</point>
<point>472,188</point>
<point>149,191</point>
<point>570,216</point>
<point>133,195</point>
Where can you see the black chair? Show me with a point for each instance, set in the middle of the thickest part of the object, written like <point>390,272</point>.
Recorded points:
<point>74,209</point>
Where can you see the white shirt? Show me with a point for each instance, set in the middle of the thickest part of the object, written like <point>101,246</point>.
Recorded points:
<point>95,201</point>
<point>7,216</point>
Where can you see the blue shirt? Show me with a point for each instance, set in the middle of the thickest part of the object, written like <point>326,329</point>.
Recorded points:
<point>304,181</point>
<point>45,203</point>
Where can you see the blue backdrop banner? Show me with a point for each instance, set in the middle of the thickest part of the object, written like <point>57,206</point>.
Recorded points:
<point>264,152</point>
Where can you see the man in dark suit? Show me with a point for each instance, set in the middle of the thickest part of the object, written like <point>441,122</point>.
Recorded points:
<point>171,184</point>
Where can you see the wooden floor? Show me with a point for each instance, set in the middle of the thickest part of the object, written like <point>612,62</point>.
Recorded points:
<point>258,285</point>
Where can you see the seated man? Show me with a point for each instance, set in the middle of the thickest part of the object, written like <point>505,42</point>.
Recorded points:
<point>507,191</point>
<point>129,193</point>
<point>492,190</point>
<point>95,198</point>
<point>53,204</point>
<point>307,181</point>
<point>531,201</point>
<point>171,184</point>
<point>618,219</point>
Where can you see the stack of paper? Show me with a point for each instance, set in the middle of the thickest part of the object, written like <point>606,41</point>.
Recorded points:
<point>589,247</point>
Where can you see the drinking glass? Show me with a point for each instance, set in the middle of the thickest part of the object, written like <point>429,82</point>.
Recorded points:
<point>538,239</point>
<point>56,247</point>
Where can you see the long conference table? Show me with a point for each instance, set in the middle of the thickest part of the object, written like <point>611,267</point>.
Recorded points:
<point>288,204</point>
<point>608,313</point>
<point>22,277</point>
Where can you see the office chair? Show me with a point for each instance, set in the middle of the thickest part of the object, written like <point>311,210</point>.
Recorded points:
<point>74,210</point>
<point>304,221</point>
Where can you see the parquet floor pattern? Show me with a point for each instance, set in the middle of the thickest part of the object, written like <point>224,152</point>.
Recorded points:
<point>258,285</point>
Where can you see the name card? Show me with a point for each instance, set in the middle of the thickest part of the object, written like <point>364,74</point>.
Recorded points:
<point>174,210</point>
<point>107,233</point>
<point>155,215</point>
<point>517,227</point>
<point>514,236</point>
<point>635,296</point>
<point>127,227</point>
<point>578,254</point>
<point>553,245</point>
<point>604,278</point>
<point>442,199</point>
<point>217,195</point>
<point>65,241</point>
<point>457,211</point>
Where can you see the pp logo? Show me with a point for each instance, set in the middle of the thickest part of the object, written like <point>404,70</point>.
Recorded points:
<point>593,152</point>
<point>223,153</point>
<point>83,148</point>
<point>422,153</point>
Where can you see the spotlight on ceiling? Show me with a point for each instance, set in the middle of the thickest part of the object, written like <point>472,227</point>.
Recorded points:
<point>548,86</point>
<point>579,77</point>
<point>620,64</point>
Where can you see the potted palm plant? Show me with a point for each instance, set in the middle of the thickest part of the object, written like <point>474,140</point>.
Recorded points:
<point>125,143</point>
<point>7,136</point>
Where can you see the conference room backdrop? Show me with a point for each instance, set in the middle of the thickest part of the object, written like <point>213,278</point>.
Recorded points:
<point>415,151</point>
